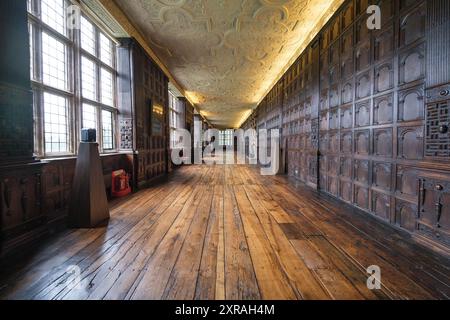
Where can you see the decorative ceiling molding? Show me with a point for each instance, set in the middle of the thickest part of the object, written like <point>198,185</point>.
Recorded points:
<point>227,54</point>
<point>334,6</point>
<point>119,16</point>
<point>104,17</point>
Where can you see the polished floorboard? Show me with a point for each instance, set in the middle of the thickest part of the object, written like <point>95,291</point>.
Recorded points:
<point>226,232</point>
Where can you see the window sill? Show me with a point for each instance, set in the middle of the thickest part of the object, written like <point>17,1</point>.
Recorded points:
<point>74,157</point>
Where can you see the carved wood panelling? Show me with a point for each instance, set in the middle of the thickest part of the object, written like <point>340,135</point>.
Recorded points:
<point>361,6</point>
<point>347,15</point>
<point>346,117</point>
<point>347,142</point>
<point>313,167</point>
<point>362,171</point>
<point>411,104</point>
<point>347,45</point>
<point>382,175</point>
<point>333,185</point>
<point>412,26</point>
<point>381,205</point>
<point>347,92</point>
<point>334,119</point>
<point>382,142</point>
<point>362,56</point>
<point>407,181</point>
<point>438,42</point>
<point>363,84</point>
<point>324,99</point>
<point>382,126</point>
<point>334,96</point>
<point>334,142</point>
<point>324,121</point>
<point>323,143</point>
<point>384,77</point>
<point>410,143</point>
<point>383,110</point>
<point>388,9</point>
<point>333,165</point>
<point>438,124</point>
<point>361,197</point>
<point>362,32</point>
<point>412,65</point>
<point>406,215</point>
<point>362,114</point>
<point>384,43</point>
<point>334,29</point>
<point>346,191</point>
<point>362,142</point>
<point>346,168</point>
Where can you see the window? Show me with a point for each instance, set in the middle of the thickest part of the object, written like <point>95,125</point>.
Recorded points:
<point>176,115</point>
<point>30,31</point>
<point>98,82</point>
<point>53,14</point>
<point>54,62</point>
<point>226,137</point>
<point>87,36</point>
<point>55,123</point>
<point>88,81</point>
<point>107,129</point>
<point>89,115</point>
<point>64,102</point>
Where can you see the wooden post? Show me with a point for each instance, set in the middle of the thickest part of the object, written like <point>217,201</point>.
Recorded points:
<point>89,206</point>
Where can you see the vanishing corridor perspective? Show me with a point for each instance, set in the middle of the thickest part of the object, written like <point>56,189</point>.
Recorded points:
<point>116,116</point>
<point>226,232</point>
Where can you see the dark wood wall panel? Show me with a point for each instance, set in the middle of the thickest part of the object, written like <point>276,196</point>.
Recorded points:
<point>437,27</point>
<point>142,84</point>
<point>365,117</point>
<point>34,199</point>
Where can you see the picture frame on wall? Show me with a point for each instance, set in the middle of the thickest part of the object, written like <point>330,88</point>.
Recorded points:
<point>157,119</point>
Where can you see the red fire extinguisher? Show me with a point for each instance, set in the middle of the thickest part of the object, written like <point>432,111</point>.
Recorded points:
<point>120,183</point>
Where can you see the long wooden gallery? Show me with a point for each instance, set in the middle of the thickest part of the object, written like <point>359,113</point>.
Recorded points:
<point>104,195</point>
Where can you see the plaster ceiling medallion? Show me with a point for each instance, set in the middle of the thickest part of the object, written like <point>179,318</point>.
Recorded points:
<point>228,53</point>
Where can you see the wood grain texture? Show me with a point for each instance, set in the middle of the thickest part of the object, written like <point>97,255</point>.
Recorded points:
<point>225,232</point>
<point>364,114</point>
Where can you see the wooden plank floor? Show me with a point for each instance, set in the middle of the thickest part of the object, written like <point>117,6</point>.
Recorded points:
<point>225,232</point>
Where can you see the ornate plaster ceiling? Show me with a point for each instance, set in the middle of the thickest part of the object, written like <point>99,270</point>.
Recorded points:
<point>228,53</point>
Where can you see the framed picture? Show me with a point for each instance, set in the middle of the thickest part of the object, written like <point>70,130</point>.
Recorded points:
<point>157,120</point>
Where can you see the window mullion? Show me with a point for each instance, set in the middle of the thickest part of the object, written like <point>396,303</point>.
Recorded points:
<point>75,80</point>
<point>38,59</point>
<point>39,96</point>
<point>99,126</point>
<point>99,95</point>
<point>38,121</point>
<point>97,50</point>
<point>37,8</point>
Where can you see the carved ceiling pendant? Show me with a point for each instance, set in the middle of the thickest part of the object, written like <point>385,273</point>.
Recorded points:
<point>228,53</point>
